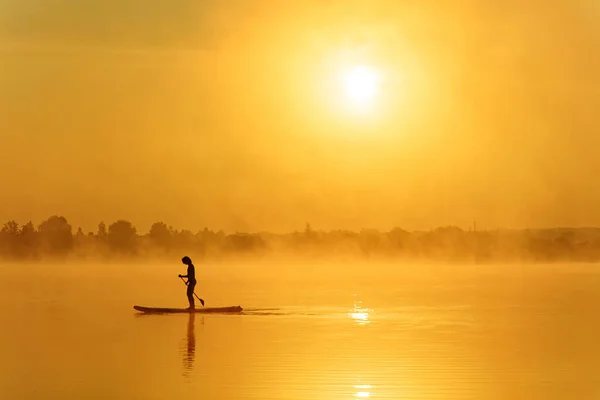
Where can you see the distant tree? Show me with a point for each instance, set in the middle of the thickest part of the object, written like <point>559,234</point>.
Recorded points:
<point>308,231</point>
<point>161,235</point>
<point>56,235</point>
<point>205,235</point>
<point>102,230</point>
<point>399,237</point>
<point>122,237</point>
<point>244,242</point>
<point>29,240</point>
<point>28,229</point>
<point>80,237</point>
<point>184,240</point>
<point>369,241</point>
<point>310,235</point>
<point>11,228</point>
<point>9,239</point>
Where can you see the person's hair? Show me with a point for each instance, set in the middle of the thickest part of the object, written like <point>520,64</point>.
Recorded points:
<point>186,260</point>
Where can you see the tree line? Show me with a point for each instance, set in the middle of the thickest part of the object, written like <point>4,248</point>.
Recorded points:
<point>55,238</point>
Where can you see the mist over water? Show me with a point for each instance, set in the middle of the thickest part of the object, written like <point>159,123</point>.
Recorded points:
<point>315,330</point>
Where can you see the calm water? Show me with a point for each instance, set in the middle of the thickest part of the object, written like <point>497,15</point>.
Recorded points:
<point>309,332</point>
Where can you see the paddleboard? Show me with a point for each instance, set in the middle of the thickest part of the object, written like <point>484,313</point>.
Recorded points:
<point>204,310</point>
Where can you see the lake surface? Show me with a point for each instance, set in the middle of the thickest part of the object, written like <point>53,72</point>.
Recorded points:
<point>309,331</point>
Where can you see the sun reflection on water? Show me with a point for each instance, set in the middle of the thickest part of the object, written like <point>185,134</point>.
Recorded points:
<point>360,314</point>
<point>360,317</point>
<point>363,391</point>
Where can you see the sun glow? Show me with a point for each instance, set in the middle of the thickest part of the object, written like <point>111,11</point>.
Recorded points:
<point>361,84</point>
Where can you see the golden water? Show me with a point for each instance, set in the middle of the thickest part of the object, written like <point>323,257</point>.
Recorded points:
<point>308,332</point>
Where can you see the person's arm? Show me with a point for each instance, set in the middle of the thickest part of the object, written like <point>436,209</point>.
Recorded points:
<point>188,273</point>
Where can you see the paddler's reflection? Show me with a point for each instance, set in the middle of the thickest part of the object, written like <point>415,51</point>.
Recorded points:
<point>190,348</point>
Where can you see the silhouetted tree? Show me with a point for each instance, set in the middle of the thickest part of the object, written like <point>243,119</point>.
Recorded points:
<point>309,233</point>
<point>56,236</point>
<point>184,239</point>
<point>9,239</point>
<point>161,235</point>
<point>80,238</point>
<point>102,230</point>
<point>11,228</point>
<point>29,240</point>
<point>399,238</point>
<point>122,237</point>
<point>370,241</point>
<point>243,242</point>
<point>28,229</point>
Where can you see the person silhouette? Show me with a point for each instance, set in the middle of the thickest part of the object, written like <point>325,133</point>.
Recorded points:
<point>191,280</point>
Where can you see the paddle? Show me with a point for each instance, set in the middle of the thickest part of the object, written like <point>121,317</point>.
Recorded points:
<point>201,301</point>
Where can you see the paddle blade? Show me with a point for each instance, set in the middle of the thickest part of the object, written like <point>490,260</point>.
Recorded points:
<point>202,302</point>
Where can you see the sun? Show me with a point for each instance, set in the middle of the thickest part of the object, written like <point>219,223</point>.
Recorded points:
<point>361,83</point>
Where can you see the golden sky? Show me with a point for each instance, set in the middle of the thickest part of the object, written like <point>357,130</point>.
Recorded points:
<point>230,114</point>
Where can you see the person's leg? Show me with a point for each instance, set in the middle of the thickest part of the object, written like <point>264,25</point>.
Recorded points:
<point>190,294</point>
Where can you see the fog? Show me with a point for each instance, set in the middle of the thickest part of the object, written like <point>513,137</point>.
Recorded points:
<point>205,115</point>
<point>54,240</point>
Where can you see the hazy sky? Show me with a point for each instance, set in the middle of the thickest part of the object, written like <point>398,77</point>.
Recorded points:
<point>229,114</point>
